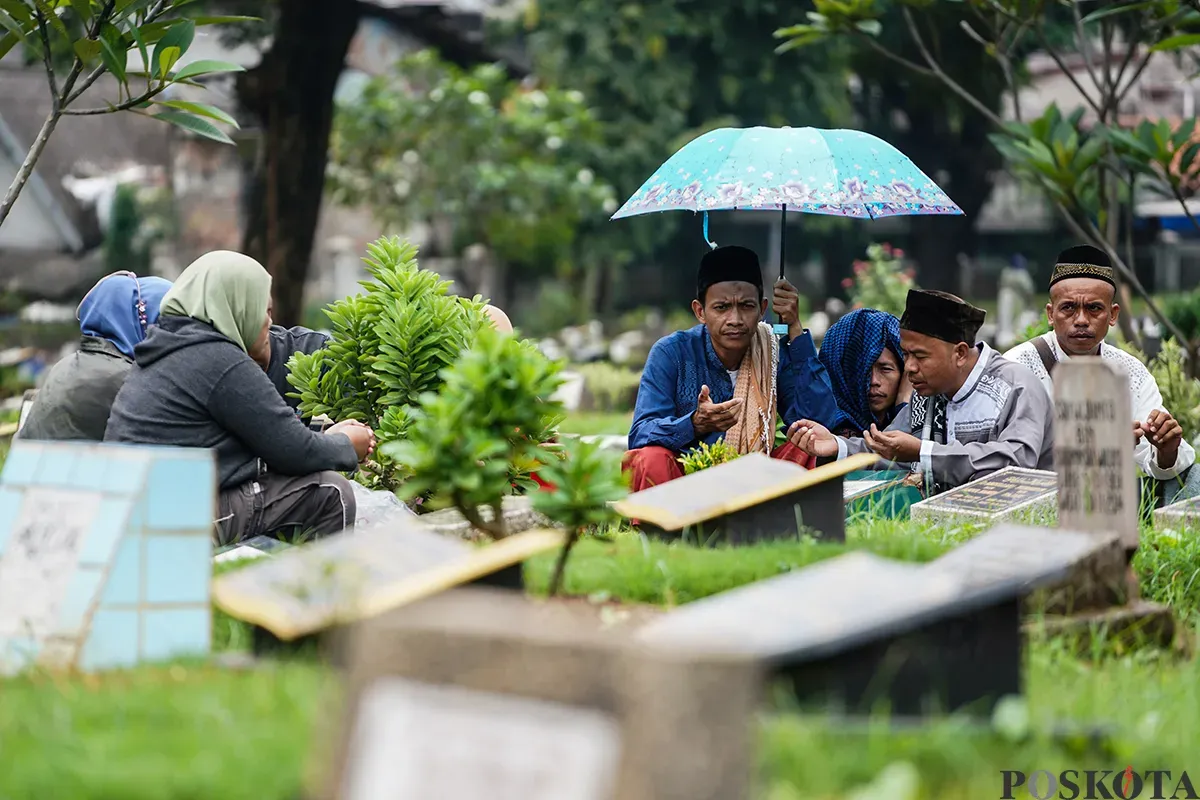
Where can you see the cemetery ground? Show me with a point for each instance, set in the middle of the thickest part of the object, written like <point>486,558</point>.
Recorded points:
<point>223,730</point>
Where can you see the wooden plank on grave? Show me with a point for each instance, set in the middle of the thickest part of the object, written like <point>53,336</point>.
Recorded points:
<point>350,577</point>
<point>729,488</point>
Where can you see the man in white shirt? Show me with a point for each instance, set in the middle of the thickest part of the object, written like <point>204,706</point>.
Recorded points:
<point>972,412</point>
<point>1081,310</point>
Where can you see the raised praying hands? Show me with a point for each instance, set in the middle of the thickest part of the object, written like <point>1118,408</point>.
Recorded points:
<point>711,417</point>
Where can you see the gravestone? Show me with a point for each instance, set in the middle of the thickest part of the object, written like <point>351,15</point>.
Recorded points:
<point>1183,515</point>
<point>750,499</point>
<point>479,693</point>
<point>105,554</point>
<point>342,579</point>
<point>1010,493</point>
<point>855,632</point>
<point>1093,449</point>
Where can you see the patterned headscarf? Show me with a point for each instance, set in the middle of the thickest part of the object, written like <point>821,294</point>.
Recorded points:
<point>120,307</point>
<point>850,349</point>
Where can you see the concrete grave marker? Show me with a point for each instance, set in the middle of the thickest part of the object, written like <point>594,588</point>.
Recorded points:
<point>342,579</point>
<point>484,693</point>
<point>1093,449</point>
<point>105,554</point>
<point>1073,570</point>
<point>1012,492</point>
<point>750,499</point>
<point>858,630</point>
<point>1178,516</point>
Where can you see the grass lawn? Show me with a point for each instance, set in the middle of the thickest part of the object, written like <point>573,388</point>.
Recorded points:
<point>590,423</point>
<point>195,731</point>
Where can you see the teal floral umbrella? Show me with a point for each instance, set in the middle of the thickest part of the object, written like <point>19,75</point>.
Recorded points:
<point>841,173</point>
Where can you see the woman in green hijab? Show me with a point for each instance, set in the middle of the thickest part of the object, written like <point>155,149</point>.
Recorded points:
<point>199,381</point>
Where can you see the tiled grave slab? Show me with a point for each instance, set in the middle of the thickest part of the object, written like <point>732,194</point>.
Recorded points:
<point>81,572</point>
<point>1004,495</point>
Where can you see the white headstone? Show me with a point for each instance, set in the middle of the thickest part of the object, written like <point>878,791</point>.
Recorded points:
<point>1093,449</point>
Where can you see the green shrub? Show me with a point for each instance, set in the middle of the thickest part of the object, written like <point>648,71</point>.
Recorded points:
<point>1035,329</point>
<point>706,455</point>
<point>1184,312</point>
<point>612,388</point>
<point>389,346</point>
<point>484,431</point>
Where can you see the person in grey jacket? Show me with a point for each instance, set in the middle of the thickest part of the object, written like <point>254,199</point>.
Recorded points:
<point>75,399</point>
<point>198,381</point>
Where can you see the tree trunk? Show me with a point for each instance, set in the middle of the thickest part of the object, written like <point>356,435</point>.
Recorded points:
<point>291,92</point>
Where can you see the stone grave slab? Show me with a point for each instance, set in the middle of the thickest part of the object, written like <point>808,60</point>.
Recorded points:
<point>1073,570</point>
<point>1131,627</point>
<point>105,554</point>
<point>749,499</point>
<point>519,516</point>
<point>483,693</point>
<point>341,579</point>
<point>1010,493</point>
<point>1178,516</point>
<point>858,633</point>
<point>1093,449</point>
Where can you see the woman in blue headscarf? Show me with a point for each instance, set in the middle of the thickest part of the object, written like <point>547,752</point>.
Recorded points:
<point>861,352</point>
<point>78,393</point>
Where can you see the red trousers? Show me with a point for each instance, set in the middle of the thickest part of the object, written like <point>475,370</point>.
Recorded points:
<point>651,466</point>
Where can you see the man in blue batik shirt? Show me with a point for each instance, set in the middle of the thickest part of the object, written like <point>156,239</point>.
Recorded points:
<point>728,377</point>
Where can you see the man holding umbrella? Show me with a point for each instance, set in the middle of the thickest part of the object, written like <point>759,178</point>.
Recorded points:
<point>728,377</point>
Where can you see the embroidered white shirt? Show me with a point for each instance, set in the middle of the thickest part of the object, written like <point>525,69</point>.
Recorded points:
<point>1144,397</point>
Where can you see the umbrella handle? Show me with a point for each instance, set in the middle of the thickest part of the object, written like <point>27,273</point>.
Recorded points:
<point>711,244</point>
<point>780,328</point>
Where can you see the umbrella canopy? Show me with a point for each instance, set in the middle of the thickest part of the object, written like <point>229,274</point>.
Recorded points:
<point>814,171</point>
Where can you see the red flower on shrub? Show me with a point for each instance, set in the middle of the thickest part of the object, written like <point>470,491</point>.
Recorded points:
<point>898,253</point>
<point>847,283</point>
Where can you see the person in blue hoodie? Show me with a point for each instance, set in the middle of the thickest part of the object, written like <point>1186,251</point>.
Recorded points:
<point>74,402</point>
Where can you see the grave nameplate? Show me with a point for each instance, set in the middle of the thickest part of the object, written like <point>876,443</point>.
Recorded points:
<point>749,499</point>
<point>483,693</point>
<point>857,630</point>
<point>345,578</point>
<point>1184,515</point>
<point>1003,495</point>
<point>1093,449</point>
<point>105,554</point>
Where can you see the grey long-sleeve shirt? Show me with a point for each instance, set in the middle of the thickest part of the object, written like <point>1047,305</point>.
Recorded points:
<point>193,387</point>
<point>1001,417</point>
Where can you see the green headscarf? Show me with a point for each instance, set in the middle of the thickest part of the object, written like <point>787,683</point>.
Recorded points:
<point>228,290</point>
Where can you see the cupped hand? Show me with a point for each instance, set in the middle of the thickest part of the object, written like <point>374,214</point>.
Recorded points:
<point>813,438</point>
<point>711,417</point>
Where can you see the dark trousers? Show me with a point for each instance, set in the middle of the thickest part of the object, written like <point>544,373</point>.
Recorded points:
<point>296,508</point>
